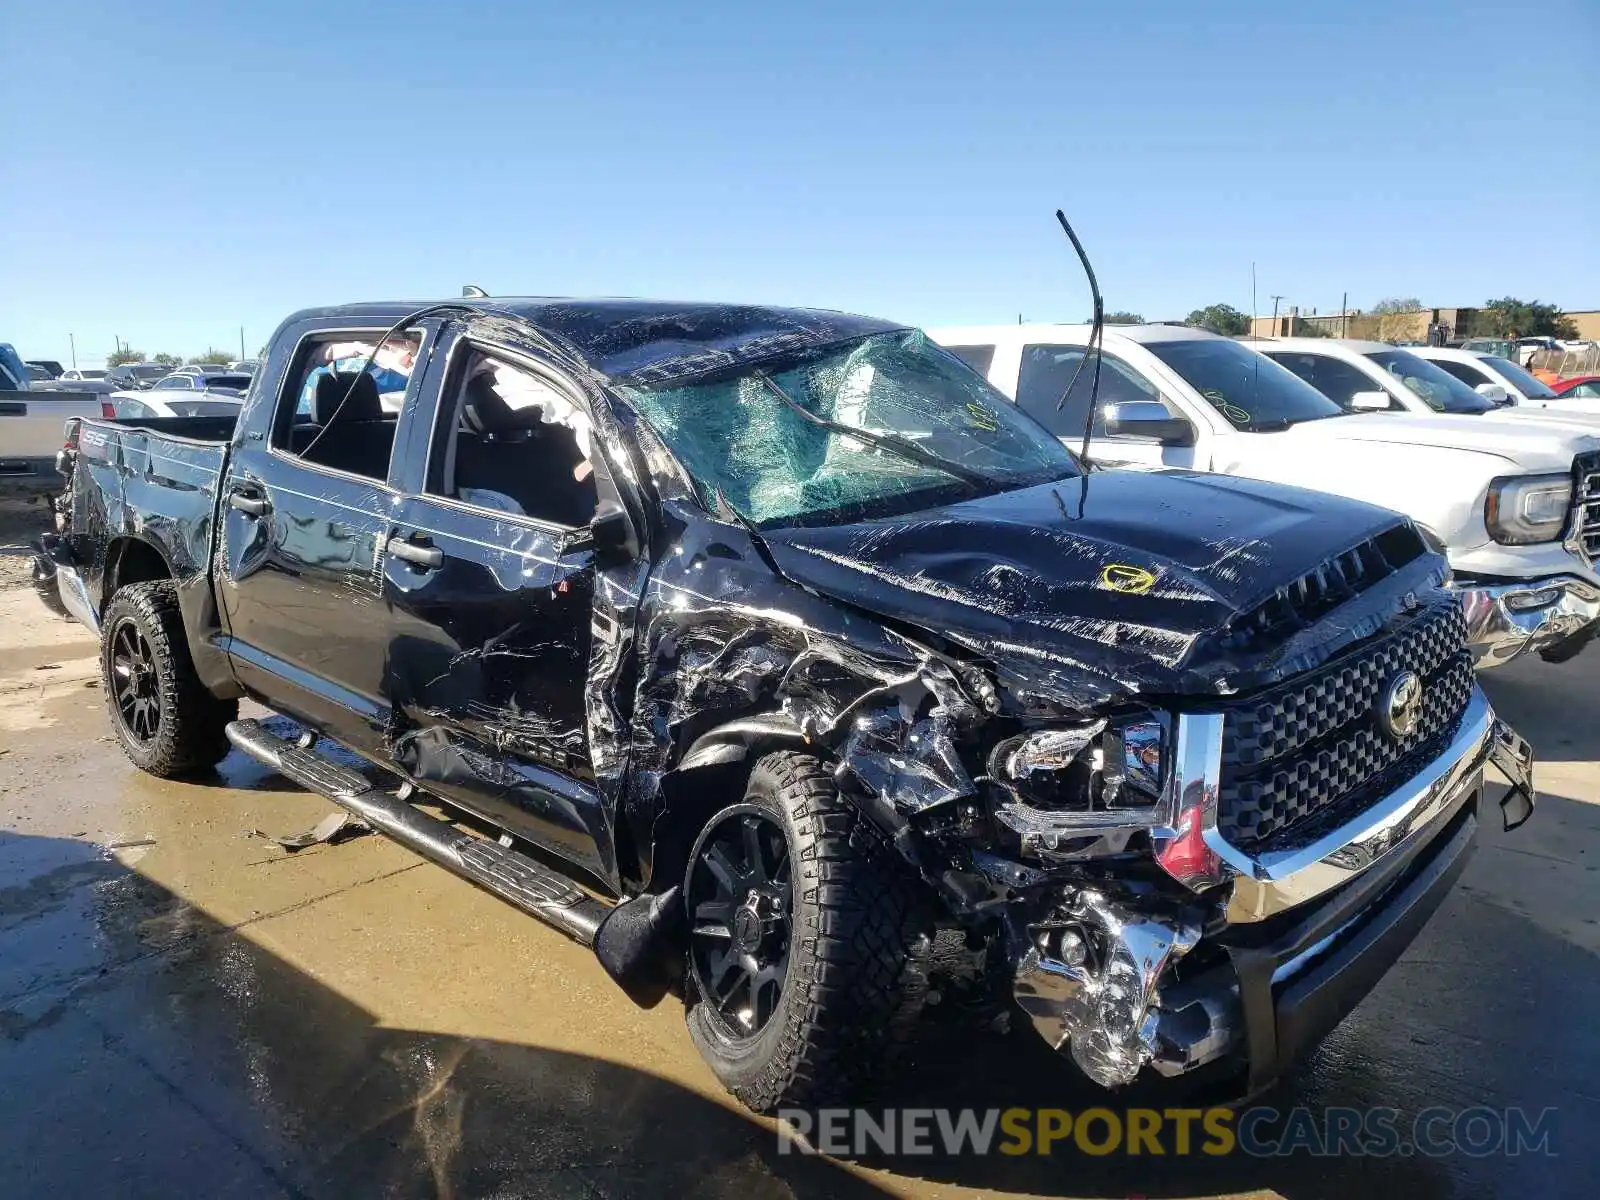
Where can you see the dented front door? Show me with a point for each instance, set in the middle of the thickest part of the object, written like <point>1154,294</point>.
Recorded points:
<point>486,665</point>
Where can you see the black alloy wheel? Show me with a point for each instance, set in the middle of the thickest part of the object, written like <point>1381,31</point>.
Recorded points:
<point>741,904</point>
<point>136,684</point>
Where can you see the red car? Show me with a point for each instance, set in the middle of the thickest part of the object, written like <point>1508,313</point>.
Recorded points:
<point>1578,387</point>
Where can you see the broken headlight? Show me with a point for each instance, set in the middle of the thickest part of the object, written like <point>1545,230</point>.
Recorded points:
<point>1101,766</point>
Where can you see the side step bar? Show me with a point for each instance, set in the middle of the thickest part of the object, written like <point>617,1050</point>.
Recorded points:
<point>515,878</point>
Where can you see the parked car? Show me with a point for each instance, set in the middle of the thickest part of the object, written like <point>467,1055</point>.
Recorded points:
<point>193,381</point>
<point>31,423</point>
<point>13,373</point>
<point>37,374</point>
<point>143,406</point>
<point>246,366</point>
<point>50,368</point>
<point>137,376</point>
<point>1489,375</point>
<point>1497,495</point>
<point>1374,376</point>
<point>1581,387</point>
<point>804,653</point>
<point>82,374</point>
<point>203,369</point>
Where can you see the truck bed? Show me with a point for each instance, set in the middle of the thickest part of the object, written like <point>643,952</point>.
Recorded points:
<point>154,480</point>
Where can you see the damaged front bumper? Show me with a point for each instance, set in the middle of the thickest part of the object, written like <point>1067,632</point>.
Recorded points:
<point>1303,937</point>
<point>1506,619</point>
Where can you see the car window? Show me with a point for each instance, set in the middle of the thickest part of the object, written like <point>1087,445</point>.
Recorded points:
<point>1583,391</point>
<point>1335,379</point>
<point>332,414</point>
<point>1466,372</point>
<point>1046,372</point>
<point>510,441</point>
<point>1522,380</point>
<point>1250,390</point>
<point>979,358</point>
<point>1439,391</point>
<point>132,410</point>
<point>172,383</point>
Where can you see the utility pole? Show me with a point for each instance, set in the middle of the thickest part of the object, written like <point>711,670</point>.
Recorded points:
<point>1252,297</point>
<point>1344,315</point>
<point>241,343</point>
<point>1275,300</point>
<point>73,342</point>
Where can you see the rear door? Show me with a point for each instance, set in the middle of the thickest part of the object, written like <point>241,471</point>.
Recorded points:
<point>1042,383</point>
<point>307,510</point>
<point>491,585</point>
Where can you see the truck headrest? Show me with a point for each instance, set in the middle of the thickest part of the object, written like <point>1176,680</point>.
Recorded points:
<point>363,405</point>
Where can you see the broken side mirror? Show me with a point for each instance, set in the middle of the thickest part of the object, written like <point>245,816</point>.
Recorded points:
<point>1147,419</point>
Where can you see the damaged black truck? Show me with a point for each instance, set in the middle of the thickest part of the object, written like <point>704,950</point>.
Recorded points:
<point>768,651</point>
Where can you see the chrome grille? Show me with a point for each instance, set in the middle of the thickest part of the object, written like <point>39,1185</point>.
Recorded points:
<point>1313,748</point>
<point>1586,504</point>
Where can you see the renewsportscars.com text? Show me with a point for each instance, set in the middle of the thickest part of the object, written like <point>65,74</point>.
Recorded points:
<point>1259,1132</point>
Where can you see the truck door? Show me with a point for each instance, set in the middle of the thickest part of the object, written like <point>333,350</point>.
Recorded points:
<point>306,514</point>
<point>492,603</point>
<point>1044,375</point>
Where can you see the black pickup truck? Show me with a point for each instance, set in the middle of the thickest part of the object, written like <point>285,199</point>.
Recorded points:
<point>776,656</point>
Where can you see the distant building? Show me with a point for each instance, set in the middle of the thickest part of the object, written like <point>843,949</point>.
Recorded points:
<point>1394,327</point>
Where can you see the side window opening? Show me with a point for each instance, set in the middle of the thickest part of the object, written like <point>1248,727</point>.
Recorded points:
<point>335,415</point>
<point>979,358</point>
<point>1336,380</point>
<point>516,443</point>
<point>1046,372</point>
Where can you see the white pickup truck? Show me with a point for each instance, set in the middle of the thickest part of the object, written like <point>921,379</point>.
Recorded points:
<point>1363,376</point>
<point>31,423</point>
<point>1515,504</point>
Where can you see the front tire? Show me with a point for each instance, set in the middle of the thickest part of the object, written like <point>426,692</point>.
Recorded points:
<point>166,721</point>
<point>808,940</point>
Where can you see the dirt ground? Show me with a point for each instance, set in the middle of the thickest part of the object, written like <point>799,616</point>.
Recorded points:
<point>185,1009</point>
<point>20,522</point>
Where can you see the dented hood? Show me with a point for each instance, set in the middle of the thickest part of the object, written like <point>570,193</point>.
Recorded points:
<point>1119,574</point>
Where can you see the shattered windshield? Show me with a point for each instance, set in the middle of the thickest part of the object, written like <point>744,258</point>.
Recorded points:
<point>742,439</point>
<point>1247,388</point>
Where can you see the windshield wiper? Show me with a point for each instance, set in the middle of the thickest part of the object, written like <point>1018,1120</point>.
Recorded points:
<point>900,447</point>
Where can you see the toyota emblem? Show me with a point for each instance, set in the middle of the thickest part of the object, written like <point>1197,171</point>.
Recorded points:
<point>1400,709</point>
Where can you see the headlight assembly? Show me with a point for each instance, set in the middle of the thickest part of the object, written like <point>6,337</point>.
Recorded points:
<point>1098,767</point>
<point>1527,508</point>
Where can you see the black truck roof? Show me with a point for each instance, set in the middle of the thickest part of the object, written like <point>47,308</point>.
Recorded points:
<point>652,342</point>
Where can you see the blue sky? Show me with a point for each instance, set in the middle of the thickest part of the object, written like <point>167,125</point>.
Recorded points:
<point>177,170</point>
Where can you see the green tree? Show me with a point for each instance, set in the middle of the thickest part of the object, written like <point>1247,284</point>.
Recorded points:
<point>1124,318</point>
<point>1509,317</point>
<point>1220,318</point>
<point>212,355</point>
<point>1397,304</point>
<point>168,360</point>
<point>117,357</point>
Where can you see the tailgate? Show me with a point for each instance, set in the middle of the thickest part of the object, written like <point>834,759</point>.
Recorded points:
<point>31,422</point>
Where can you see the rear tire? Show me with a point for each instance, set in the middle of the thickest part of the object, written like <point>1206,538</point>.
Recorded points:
<point>858,926</point>
<point>166,721</point>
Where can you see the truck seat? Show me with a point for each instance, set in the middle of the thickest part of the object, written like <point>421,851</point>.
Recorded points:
<point>513,452</point>
<point>351,435</point>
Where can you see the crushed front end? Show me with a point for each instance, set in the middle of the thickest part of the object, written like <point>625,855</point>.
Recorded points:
<point>1300,834</point>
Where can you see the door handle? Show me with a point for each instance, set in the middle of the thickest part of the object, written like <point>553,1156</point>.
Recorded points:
<point>415,554</point>
<point>256,506</point>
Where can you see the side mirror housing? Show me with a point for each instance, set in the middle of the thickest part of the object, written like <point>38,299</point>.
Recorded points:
<point>1147,419</point>
<point>611,532</point>
<point>1494,393</point>
<point>1370,402</point>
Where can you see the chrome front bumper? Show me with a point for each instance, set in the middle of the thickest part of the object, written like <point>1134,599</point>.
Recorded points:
<point>1505,619</point>
<point>1095,977</point>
